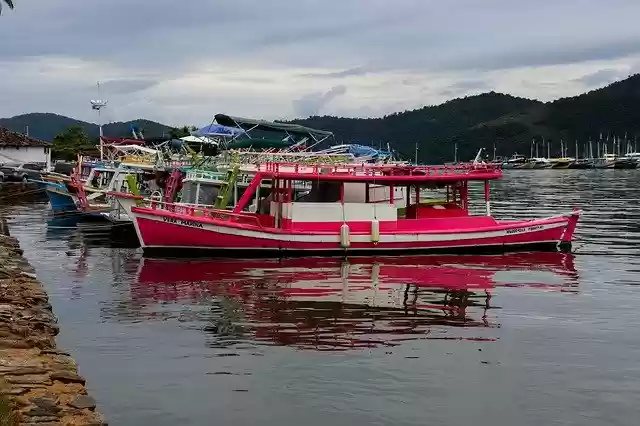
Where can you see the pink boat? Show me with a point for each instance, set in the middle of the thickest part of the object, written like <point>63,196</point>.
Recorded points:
<point>335,215</point>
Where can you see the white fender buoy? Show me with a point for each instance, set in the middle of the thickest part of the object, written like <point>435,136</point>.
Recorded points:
<point>345,241</point>
<point>375,231</point>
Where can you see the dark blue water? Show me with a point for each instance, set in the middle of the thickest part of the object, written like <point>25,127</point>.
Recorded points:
<point>524,339</point>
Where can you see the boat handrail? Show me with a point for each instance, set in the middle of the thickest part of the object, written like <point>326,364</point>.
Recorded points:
<point>203,212</point>
<point>462,169</point>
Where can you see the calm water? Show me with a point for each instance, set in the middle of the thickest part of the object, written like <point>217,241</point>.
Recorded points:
<point>524,339</point>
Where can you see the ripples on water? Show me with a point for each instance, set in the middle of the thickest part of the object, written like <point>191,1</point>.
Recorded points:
<point>522,338</point>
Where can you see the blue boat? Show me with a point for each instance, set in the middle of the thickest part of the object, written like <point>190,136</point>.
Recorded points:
<point>61,200</point>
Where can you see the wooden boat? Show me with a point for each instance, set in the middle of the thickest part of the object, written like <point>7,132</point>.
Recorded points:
<point>336,216</point>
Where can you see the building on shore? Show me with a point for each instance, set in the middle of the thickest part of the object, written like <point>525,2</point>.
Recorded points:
<point>19,148</point>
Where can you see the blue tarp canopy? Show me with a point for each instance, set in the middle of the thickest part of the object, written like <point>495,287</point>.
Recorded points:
<point>366,151</point>
<point>219,130</point>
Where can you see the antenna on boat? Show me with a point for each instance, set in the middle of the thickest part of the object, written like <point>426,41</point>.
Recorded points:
<point>97,105</point>
<point>478,158</point>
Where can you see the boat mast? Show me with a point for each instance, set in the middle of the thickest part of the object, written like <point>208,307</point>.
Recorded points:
<point>97,105</point>
<point>577,149</point>
<point>533,142</point>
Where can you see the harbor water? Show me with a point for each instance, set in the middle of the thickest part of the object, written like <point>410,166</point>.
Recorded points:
<point>522,339</point>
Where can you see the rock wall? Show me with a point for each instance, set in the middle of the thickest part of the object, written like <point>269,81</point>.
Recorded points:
<point>40,381</point>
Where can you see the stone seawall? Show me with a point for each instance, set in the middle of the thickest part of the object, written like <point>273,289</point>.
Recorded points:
<point>39,381</point>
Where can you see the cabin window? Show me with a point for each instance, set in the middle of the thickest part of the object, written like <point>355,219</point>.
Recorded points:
<point>189,192</point>
<point>322,192</point>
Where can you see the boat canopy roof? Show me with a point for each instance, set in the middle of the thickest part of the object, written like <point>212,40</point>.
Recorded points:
<point>380,173</point>
<point>219,130</point>
<point>260,144</point>
<point>249,124</point>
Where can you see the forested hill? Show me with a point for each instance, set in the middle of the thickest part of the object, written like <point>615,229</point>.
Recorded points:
<point>492,118</point>
<point>46,126</point>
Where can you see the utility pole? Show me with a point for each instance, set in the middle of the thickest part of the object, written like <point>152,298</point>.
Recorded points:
<point>416,157</point>
<point>97,105</point>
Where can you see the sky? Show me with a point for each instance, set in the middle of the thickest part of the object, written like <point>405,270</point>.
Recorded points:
<point>181,62</point>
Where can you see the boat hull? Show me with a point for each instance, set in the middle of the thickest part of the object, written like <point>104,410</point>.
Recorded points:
<point>61,200</point>
<point>161,231</point>
<point>625,164</point>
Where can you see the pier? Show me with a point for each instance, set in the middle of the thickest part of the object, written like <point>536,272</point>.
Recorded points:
<point>39,383</point>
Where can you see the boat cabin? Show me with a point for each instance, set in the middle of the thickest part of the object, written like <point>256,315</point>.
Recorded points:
<point>352,195</point>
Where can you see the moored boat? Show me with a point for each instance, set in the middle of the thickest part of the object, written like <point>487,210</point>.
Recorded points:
<point>336,216</point>
<point>562,163</point>
<point>516,161</point>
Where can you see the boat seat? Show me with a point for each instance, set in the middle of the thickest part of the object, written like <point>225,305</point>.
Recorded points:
<point>420,211</point>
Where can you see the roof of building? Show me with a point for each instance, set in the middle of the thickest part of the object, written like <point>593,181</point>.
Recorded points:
<point>9,138</point>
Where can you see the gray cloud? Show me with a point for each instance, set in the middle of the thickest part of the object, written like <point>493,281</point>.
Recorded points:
<point>600,77</point>
<point>465,87</point>
<point>137,47</point>
<point>351,72</point>
<point>313,103</point>
<point>127,85</point>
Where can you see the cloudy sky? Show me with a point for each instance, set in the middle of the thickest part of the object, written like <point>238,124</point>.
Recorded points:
<point>180,62</point>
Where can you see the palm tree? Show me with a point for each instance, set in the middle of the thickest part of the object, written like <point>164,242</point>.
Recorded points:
<point>8,3</point>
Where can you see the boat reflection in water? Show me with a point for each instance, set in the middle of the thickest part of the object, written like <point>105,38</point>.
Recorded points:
<point>329,304</point>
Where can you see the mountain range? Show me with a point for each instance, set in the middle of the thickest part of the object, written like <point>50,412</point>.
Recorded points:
<point>45,126</point>
<point>490,120</point>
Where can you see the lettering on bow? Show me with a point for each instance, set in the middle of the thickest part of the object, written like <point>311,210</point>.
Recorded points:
<point>182,222</point>
<point>521,230</point>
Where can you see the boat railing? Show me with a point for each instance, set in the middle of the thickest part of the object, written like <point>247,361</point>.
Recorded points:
<point>379,169</point>
<point>203,212</point>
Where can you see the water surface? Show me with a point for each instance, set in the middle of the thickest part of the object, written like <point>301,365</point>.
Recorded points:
<point>522,339</point>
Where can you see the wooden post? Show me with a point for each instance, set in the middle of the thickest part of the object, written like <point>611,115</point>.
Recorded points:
<point>487,193</point>
<point>408,194</point>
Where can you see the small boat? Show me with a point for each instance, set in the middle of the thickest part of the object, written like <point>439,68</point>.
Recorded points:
<point>540,163</point>
<point>516,161</point>
<point>62,201</point>
<point>628,161</point>
<point>562,163</point>
<point>582,163</point>
<point>336,216</point>
<point>607,161</point>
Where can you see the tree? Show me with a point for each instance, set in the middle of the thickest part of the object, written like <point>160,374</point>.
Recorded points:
<point>9,3</point>
<point>180,132</point>
<point>68,144</point>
